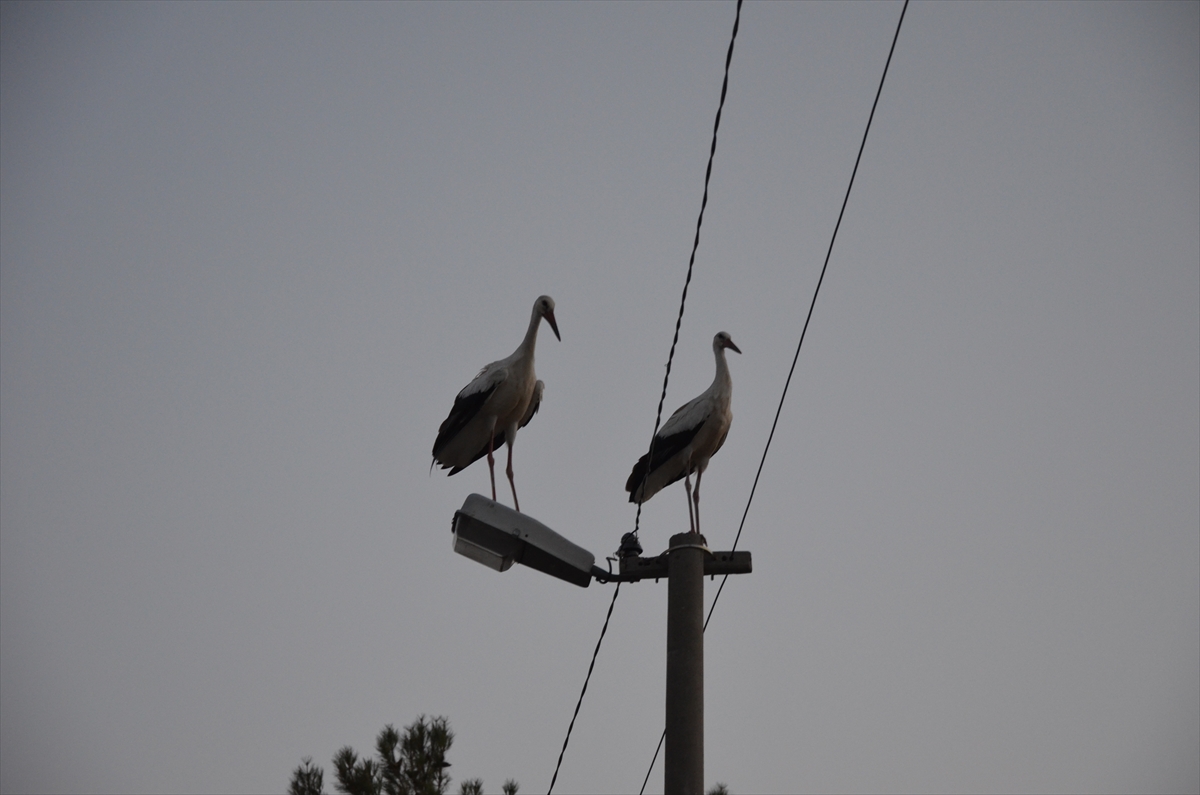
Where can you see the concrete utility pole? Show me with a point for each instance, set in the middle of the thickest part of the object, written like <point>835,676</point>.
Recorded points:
<point>685,564</point>
<point>683,763</point>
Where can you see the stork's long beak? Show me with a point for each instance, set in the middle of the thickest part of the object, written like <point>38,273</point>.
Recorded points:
<point>553,324</point>
<point>729,344</point>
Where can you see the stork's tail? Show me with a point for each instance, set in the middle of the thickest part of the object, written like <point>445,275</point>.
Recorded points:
<point>636,483</point>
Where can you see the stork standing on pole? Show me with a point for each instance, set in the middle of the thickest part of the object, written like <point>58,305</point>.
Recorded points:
<point>489,410</point>
<point>685,443</point>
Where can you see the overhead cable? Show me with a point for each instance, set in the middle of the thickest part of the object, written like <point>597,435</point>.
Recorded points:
<point>666,378</point>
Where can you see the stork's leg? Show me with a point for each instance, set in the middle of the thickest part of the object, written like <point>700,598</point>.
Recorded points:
<point>687,485</point>
<point>512,483</point>
<point>492,461</point>
<point>696,498</point>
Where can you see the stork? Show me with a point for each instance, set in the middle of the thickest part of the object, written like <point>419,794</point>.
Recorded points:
<point>489,410</point>
<point>685,443</point>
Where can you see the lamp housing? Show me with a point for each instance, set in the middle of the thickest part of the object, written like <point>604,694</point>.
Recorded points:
<point>497,536</point>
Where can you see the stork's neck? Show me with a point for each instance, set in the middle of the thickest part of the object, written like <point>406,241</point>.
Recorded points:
<point>722,380</point>
<point>530,340</point>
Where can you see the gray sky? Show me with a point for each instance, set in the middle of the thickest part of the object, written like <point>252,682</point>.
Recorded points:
<point>250,252</point>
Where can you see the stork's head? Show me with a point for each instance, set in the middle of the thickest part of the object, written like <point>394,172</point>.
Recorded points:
<point>723,340</point>
<point>544,306</point>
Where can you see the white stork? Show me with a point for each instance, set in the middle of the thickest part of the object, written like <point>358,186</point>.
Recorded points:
<point>693,434</point>
<point>489,410</point>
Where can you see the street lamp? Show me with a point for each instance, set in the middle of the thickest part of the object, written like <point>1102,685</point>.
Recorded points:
<point>497,536</point>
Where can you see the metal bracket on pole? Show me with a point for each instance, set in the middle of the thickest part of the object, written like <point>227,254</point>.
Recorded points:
<point>636,567</point>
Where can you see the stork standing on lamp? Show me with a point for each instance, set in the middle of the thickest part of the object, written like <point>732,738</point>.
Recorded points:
<point>489,410</point>
<point>685,443</point>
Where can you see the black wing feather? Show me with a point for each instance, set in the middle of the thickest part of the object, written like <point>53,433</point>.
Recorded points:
<point>533,410</point>
<point>465,409</point>
<point>665,448</point>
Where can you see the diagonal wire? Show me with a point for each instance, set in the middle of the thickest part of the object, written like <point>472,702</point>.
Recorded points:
<point>670,358</point>
<point>692,261</point>
<point>803,331</point>
<point>585,684</point>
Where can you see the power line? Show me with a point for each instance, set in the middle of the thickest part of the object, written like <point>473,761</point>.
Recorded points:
<point>803,331</point>
<point>585,684</point>
<point>666,378</point>
<point>692,261</point>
